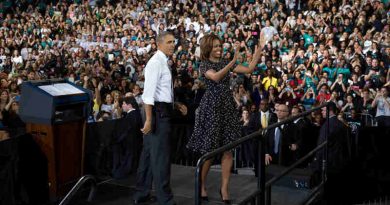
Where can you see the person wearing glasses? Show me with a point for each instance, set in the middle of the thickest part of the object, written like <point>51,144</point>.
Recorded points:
<point>280,142</point>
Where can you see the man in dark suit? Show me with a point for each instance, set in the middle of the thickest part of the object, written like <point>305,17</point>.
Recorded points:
<point>303,142</point>
<point>263,118</point>
<point>338,156</point>
<point>260,120</point>
<point>132,113</point>
<point>280,141</point>
<point>126,150</point>
<point>338,141</point>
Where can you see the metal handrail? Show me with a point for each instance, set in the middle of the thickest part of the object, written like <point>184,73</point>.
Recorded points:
<point>292,167</point>
<point>261,171</point>
<point>214,153</point>
<point>313,195</point>
<point>76,188</point>
<point>366,117</point>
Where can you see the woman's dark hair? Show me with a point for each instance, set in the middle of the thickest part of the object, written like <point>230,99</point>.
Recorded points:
<point>206,45</point>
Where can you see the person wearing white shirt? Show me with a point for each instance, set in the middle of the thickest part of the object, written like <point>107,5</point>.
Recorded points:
<point>268,31</point>
<point>158,104</point>
<point>16,58</point>
<point>144,49</point>
<point>382,104</point>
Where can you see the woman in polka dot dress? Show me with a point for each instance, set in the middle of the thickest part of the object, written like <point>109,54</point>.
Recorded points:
<point>217,122</point>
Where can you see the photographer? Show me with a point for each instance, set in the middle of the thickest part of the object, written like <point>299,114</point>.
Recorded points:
<point>323,94</point>
<point>310,80</point>
<point>288,96</point>
<point>308,99</point>
<point>283,82</point>
<point>339,86</point>
<point>375,74</point>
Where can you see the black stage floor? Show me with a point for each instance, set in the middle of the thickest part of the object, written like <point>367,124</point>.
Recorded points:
<point>119,192</point>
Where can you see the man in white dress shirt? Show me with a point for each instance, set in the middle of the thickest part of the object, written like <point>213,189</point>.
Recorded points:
<point>158,103</point>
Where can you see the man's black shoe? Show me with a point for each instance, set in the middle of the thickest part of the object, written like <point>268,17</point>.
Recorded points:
<point>144,200</point>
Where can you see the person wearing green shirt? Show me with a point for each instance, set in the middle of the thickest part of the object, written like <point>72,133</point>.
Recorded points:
<point>308,37</point>
<point>346,73</point>
<point>310,81</point>
<point>331,72</point>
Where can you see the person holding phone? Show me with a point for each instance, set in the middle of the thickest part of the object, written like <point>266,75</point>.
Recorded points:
<point>339,86</point>
<point>288,96</point>
<point>310,80</point>
<point>323,94</point>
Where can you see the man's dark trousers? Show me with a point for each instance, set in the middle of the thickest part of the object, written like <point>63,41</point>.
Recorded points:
<point>155,161</point>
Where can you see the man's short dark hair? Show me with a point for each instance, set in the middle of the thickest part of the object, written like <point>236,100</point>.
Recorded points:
<point>101,114</point>
<point>332,106</point>
<point>297,107</point>
<point>162,35</point>
<point>131,100</point>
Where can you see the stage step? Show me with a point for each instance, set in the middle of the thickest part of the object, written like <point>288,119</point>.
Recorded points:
<point>298,178</point>
<point>119,192</point>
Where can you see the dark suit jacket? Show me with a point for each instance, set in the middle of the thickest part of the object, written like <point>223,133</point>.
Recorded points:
<point>288,136</point>
<point>127,144</point>
<point>338,145</point>
<point>135,120</point>
<point>307,136</point>
<point>302,126</point>
<point>255,121</point>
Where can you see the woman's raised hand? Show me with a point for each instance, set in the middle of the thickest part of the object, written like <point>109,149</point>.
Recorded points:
<point>259,47</point>
<point>257,54</point>
<point>236,52</point>
<point>262,41</point>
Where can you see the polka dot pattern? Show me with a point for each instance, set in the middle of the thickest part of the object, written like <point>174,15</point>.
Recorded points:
<point>217,121</point>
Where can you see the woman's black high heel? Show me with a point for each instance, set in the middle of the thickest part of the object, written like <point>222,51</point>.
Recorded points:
<point>204,198</point>
<point>226,201</point>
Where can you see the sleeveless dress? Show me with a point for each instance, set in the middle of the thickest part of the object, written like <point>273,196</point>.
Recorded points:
<point>217,120</point>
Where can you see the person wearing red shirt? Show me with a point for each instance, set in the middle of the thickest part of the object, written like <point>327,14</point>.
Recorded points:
<point>323,94</point>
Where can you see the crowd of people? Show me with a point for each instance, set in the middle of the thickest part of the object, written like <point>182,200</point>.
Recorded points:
<point>315,51</point>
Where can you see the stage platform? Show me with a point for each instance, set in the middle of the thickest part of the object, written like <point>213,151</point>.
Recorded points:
<point>119,192</point>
